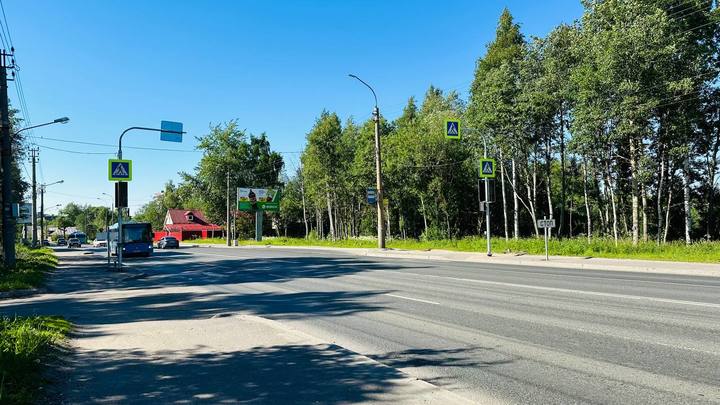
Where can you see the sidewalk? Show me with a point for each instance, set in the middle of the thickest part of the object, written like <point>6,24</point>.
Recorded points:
<point>565,262</point>
<point>234,358</point>
<point>148,342</point>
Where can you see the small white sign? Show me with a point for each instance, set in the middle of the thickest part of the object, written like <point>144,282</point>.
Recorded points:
<point>546,223</point>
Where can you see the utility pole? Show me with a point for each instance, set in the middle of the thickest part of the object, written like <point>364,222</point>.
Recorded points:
<point>42,213</point>
<point>33,161</point>
<point>227,204</point>
<point>487,204</point>
<point>8,222</point>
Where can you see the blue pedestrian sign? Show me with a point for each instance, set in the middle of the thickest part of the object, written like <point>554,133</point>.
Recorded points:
<point>171,131</point>
<point>487,168</point>
<point>452,129</point>
<point>119,170</point>
<point>371,195</point>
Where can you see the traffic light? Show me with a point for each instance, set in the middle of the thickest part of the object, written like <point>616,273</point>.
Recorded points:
<point>121,194</point>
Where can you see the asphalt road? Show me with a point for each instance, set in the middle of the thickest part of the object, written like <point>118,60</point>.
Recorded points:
<point>502,334</point>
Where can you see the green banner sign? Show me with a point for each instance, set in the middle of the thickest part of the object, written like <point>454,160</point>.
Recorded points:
<point>253,199</point>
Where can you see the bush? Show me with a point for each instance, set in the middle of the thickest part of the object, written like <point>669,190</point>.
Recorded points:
<point>30,269</point>
<point>25,344</point>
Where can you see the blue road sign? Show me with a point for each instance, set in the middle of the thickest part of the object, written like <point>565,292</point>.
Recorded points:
<point>119,170</point>
<point>487,168</point>
<point>171,131</point>
<point>371,195</point>
<point>452,129</point>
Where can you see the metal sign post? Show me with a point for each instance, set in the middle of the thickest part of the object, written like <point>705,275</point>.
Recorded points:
<point>546,224</point>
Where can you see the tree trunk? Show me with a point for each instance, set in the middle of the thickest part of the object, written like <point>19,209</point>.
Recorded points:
<point>644,213</point>
<point>667,213</point>
<point>563,179</point>
<point>516,208</point>
<point>424,213</point>
<point>686,199</point>
<point>502,190</point>
<point>548,177</point>
<point>302,192</point>
<point>634,192</point>
<point>609,185</point>
<point>587,203</point>
<point>659,196</point>
<point>330,215</point>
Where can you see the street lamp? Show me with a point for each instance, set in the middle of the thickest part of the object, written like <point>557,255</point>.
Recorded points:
<point>378,168</point>
<point>8,222</point>
<point>42,207</point>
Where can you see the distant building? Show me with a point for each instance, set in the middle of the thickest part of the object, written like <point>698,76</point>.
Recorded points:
<point>188,224</point>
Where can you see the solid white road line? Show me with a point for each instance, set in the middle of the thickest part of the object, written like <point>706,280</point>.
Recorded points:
<point>413,299</point>
<point>566,290</point>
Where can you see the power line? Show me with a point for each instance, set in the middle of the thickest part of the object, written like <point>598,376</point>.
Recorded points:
<point>7,27</point>
<point>114,146</point>
<point>75,152</point>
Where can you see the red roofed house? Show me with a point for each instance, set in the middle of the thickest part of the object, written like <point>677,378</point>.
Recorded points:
<point>188,224</point>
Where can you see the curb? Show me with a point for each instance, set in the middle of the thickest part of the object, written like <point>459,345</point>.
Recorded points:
<point>22,293</point>
<point>683,268</point>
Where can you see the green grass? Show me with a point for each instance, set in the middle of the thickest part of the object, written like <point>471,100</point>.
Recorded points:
<point>30,270</point>
<point>26,345</point>
<point>701,252</point>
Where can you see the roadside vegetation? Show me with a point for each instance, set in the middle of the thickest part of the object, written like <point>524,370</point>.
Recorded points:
<point>27,344</point>
<point>701,252</point>
<point>30,271</point>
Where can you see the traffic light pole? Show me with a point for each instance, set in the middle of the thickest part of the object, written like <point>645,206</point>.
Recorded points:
<point>121,240</point>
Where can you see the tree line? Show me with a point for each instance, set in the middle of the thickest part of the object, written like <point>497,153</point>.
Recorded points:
<point>610,125</point>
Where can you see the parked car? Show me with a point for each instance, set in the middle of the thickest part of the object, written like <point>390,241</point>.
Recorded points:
<point>61,242</point>
<point>168,242</point>
<point>74,242</point>
<point>99,243</point>
<point>45,242</point>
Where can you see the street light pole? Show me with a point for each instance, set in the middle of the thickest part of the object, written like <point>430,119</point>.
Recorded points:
<point>42,208</point>
<point>378,169</point>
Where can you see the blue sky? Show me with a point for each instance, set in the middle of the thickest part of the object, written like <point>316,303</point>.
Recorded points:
<point>273,66</point>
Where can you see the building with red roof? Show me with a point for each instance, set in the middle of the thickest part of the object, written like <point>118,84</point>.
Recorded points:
<point>188,224</point>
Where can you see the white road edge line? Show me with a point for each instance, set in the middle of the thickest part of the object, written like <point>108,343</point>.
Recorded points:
<point>413,299</point>
<point>566,290</point>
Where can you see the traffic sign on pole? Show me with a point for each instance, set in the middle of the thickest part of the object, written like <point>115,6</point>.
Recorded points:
<point>171,131</point>
<point>452,129</point>
<point>119,170</point>
<point>487,168</point>
<point>372,195</point>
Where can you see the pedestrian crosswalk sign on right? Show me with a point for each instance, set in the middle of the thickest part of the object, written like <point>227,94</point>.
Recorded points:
<point>119,170</point>
<point>487,168</point>
<point>452,129</point>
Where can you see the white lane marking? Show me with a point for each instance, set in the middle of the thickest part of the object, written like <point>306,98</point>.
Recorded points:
<point>413,299</point>
<point>534,287</point>
<point>566,290</point>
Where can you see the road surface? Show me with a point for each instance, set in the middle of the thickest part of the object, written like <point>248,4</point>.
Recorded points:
<point>500,334</point>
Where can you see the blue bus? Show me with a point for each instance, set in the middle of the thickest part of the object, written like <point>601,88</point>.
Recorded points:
<point>137,239</point>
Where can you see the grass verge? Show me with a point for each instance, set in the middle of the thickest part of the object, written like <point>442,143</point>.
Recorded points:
<point>700,252</point>
<point>26,346</point>
<point>30,270</point>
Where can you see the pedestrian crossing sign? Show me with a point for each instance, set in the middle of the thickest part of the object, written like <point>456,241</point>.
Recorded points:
<point>487,168</point>
<point>119,170</point>
<point>452,129</point>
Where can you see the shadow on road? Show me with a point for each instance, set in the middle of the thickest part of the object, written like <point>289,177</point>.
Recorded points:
<point>289,374</point>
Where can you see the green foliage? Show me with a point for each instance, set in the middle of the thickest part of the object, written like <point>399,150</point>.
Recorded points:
<point>30,270</point>
<point>703,252</point>
<point>25,348</point>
